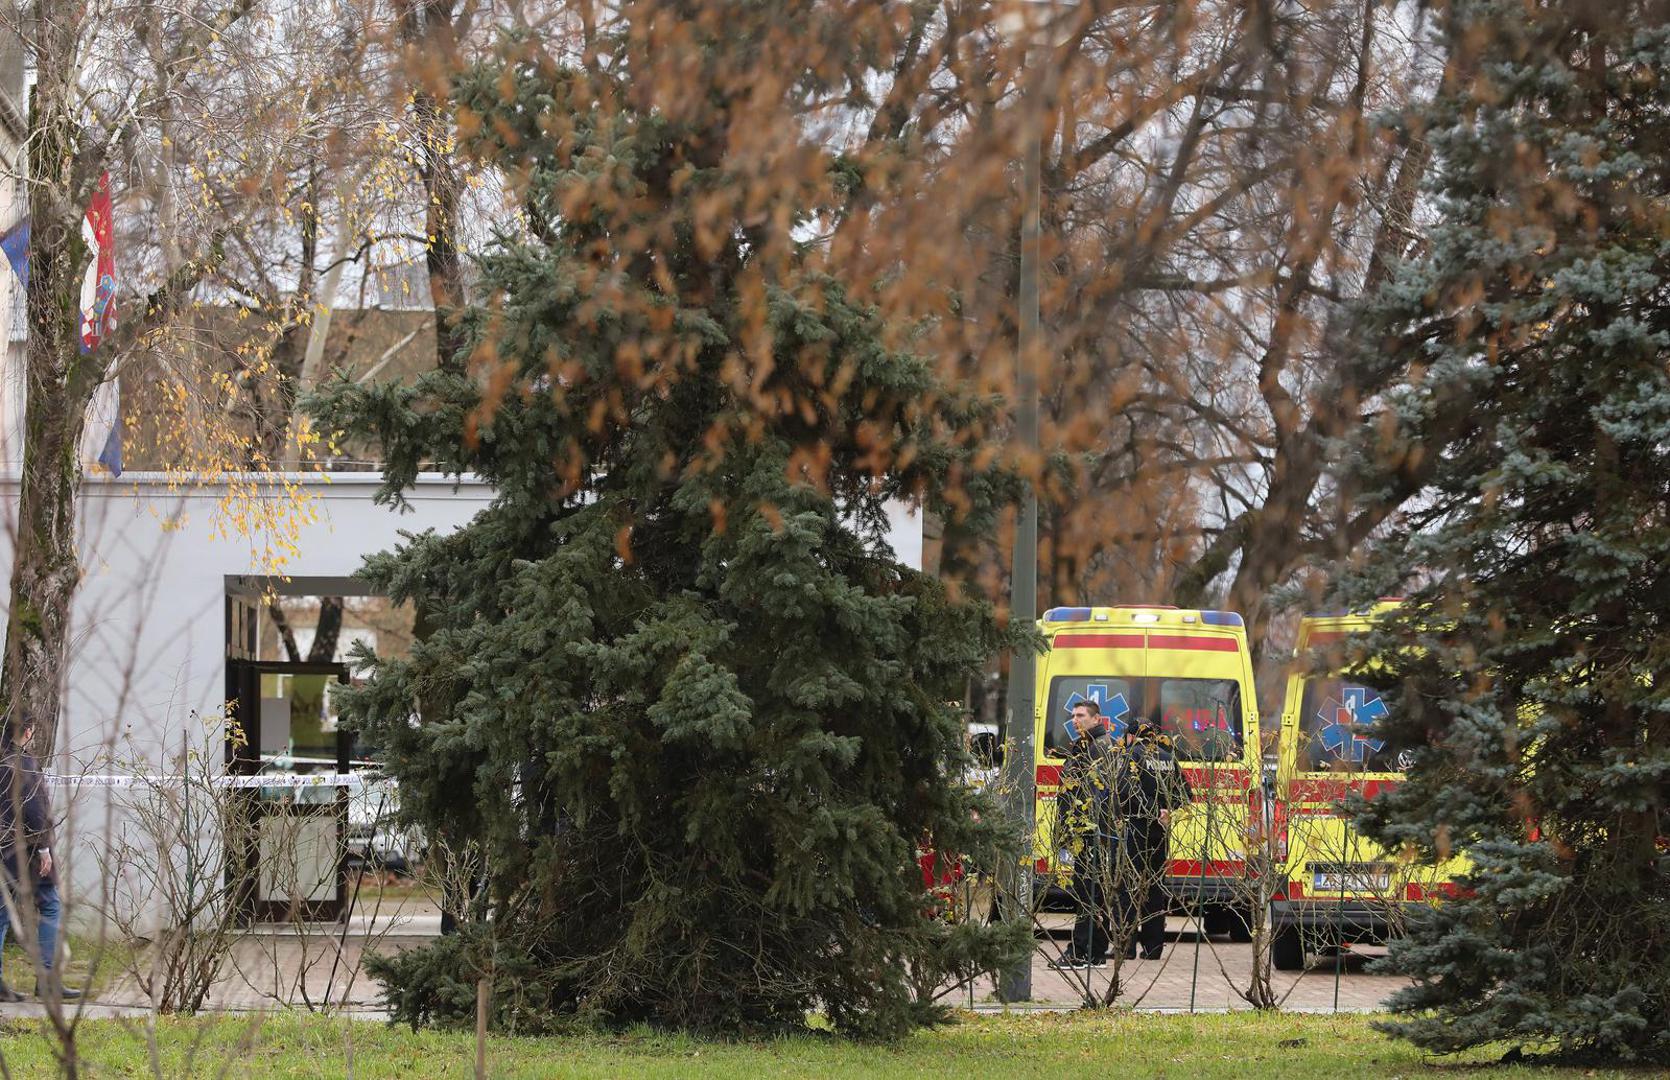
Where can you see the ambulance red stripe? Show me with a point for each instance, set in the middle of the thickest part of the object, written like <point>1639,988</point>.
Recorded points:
<point>1155,641</point>
<point>1191,868</point>
<point>1332,791</point>
<point>1196,644</point>
<point>1098,641</point>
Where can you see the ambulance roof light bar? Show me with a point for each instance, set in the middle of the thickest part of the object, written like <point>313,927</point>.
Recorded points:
<point>1141,613</point>
<point>1346,613</point>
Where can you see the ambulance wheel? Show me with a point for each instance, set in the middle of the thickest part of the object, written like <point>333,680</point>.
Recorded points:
<point>1229,922</point>
<point>1287,949</point>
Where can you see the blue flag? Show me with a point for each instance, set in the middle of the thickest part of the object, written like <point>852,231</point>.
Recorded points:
<point>15,243</point>
<point>111,456</point>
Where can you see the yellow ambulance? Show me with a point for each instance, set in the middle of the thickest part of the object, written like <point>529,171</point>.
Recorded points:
<point>1338,888</point>
<point>1189,673</point>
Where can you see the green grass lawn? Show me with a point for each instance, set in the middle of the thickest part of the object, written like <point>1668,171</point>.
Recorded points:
<point>1070,1046</point>
<point>399,896</point>
<point>92,963</point>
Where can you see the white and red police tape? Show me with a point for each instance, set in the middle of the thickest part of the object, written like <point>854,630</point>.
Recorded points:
<point>349,780</point>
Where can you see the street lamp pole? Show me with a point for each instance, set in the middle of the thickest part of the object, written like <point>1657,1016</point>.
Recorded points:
<point>1016,983</point>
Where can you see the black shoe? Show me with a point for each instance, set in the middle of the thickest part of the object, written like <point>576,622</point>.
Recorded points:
<point>10,996</point>
<point>64,993</point>
<point>1155,955</point>
<point>1073,963</point>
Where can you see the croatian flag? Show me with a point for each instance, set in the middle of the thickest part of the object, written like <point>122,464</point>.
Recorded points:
<point>98,320</point>
<point>98,313</point>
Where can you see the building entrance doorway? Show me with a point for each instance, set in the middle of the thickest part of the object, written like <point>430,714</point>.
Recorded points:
<point>287,730</point>
<point>291,645</point>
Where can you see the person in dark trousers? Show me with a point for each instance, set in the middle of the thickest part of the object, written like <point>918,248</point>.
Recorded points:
<point>1083,828</point>
<point>26,859</point>
<point>1148,787</point>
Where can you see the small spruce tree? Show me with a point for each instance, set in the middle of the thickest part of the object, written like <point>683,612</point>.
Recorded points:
<point>672,684</point>
<point>1532,662</point>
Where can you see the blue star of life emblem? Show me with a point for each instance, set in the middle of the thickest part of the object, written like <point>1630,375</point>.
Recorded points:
<point>1344,719</point>
<point>1116,708</point>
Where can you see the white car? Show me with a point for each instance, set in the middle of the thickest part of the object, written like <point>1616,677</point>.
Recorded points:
<point>375,836</point>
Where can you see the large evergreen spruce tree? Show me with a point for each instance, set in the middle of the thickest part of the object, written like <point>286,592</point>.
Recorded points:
<point>672,684</point>
<point>1533,661</point>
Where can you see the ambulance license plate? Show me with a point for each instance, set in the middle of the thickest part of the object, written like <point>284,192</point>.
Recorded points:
<point>1352,879</point>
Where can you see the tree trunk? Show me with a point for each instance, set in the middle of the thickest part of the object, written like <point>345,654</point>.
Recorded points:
<point>430,36</point>
<point>45,570</point>
<point>327,632</point>
<point>59,382</point>
<point>305,379</point>
<point>483,991</point>
<point>275,431</point>
<point>286,635</point>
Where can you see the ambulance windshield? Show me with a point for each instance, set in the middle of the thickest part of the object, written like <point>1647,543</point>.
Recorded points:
<point>1202,717</point>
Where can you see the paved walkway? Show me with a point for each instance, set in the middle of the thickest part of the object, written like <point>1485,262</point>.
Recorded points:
<point>321,966</point>
<point>317,967</point>
<point>1194,974</point>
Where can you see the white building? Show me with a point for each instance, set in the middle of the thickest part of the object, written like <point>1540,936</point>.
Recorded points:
<point>170,610</point>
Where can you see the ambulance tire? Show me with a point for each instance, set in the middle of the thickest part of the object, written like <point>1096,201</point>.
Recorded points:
<point>1230,922</point>
<point>1287,949</point>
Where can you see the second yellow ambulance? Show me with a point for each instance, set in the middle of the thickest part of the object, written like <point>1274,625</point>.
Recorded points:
<point>1338,888</point>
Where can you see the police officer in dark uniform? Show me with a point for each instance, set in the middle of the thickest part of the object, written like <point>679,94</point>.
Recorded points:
<point>1084,829</point>
<point>1148,787</point>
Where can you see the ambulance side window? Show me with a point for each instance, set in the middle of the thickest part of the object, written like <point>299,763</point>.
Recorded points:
<point>1202,717</point>
<point>1117,698</point>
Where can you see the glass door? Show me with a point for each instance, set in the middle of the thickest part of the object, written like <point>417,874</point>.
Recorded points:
<point>288,731</point>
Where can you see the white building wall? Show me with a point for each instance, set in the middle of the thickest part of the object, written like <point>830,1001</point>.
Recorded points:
<point>147,654</point>
<point>146,665</point>
<point>148,639</point>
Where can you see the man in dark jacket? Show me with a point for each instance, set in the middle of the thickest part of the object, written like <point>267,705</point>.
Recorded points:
<point>1083,807</point>
<point>26,861</point>
<point>1148,787</point>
